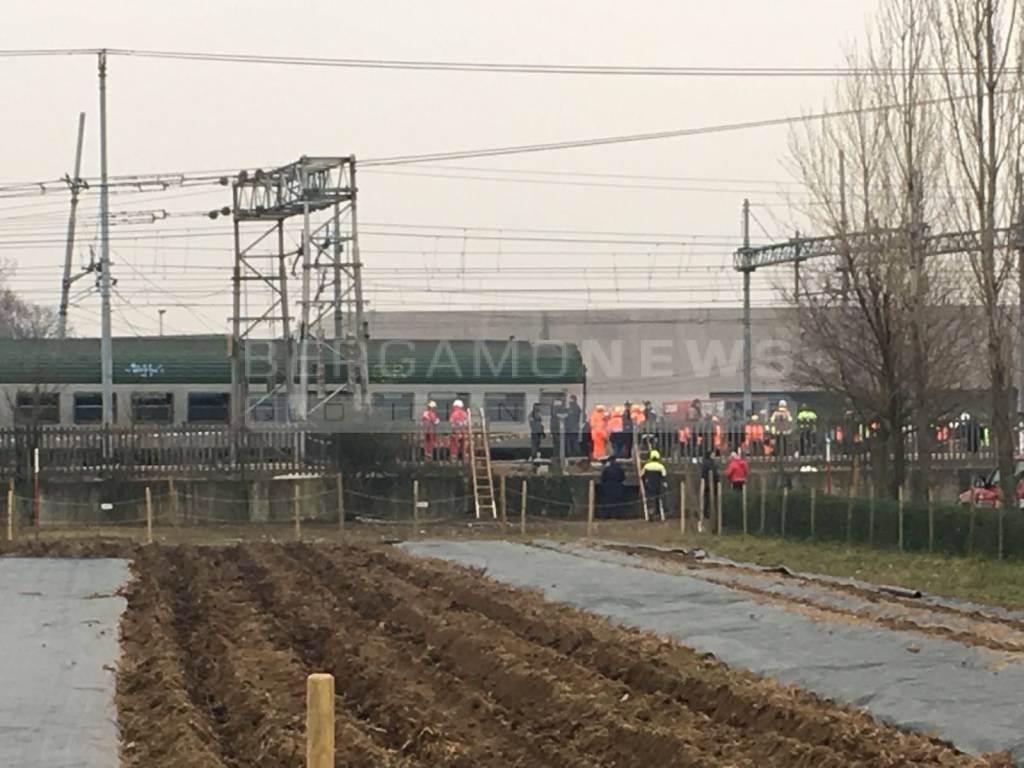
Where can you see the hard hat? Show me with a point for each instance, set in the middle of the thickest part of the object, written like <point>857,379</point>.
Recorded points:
<point>619,409</point>
<point>782,403</point>
<point>600,408</point>
<point>636,407</point>
<point>431,404</point>
<point>655,455</point>
<point>457,404</point>
<point>965,416</point>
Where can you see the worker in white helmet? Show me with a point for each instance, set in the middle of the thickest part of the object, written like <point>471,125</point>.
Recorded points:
<point>428,426</point>
<point>459,421</point>
<point>781,427</point>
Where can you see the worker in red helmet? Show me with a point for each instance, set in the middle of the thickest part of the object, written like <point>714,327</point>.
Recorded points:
<point>459,421</point>
<point>428,426</point>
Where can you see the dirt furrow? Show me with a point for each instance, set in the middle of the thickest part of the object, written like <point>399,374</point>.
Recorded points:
<point>151,686</point>
<point>491,656</point>
<point>254,729</point>
<point>420,711</point>
<point>267,678</point>
<point>646,665</point>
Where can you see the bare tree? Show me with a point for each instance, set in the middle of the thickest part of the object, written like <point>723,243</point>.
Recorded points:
<point>979,52</point>
<point>882,333</point>
<point>20,319</point>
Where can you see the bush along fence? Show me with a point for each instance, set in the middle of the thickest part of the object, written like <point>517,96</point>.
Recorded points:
<point>810,515</point>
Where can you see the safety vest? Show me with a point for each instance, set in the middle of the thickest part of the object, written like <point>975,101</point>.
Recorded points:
<point>754,432</point>
<point>806,418</point>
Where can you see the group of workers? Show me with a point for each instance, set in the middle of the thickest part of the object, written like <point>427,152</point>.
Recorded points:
<point>614,431</point>
<point>780,433</point>
<point>458,439</point>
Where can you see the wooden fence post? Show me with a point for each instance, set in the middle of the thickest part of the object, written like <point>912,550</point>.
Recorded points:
<point>931,521</point>
<point>590,509</point>
<point>504,500</point>
<point>522,509</point>
<point>764,494</point>
<point>296,512</point>
<point>320,721</point>
<point>415,508</point>
<point>785,502</point>
<point>899,502</point>
<point>340,484</point>
<point>172,493</point>
<point>12,512</point>
<point>871,514</point>
<point>682,507</point>
<point>814,495</point>
<point>971,524</point>
<point>700,504</point>
<point>149,516</point>
<point>718,507</point>
<point>743,501</point>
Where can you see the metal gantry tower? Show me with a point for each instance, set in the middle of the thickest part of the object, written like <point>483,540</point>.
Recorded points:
<point>298,223</point>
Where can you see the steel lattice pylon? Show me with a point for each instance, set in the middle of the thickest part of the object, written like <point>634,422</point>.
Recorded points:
<point>297,222</point>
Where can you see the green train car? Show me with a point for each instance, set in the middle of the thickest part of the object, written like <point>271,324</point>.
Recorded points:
<point>184,380</point>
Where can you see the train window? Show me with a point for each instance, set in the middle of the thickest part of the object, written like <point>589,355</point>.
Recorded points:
<point>37,408</point>
<point>444,402</point>
<point>505,406</point>
<point>209,407</point>
<point>393,406</point>
<point>152,407</point>
<point>269,409</point>
<point>549,397</point>
<point>88,408</point>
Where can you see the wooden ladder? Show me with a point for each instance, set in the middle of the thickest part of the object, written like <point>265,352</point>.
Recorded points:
<point>480,467</point>
<point>639,477</point>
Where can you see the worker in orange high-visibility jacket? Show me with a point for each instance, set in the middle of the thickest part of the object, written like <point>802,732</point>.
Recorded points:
<point>459,421</point>
<point>598,432</point>
<point>615,426</point>
<point>428,426</point>
<point>753,436</point>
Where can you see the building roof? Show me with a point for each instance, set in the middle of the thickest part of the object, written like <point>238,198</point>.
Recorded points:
<point>206,360</point>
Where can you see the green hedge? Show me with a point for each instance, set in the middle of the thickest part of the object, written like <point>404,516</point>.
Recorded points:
<point>876,524</point>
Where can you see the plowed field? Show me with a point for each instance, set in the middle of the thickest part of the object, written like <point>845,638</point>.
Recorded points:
<point>437,666</point>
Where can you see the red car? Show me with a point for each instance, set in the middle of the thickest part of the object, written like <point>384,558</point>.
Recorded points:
<point>986,490</point>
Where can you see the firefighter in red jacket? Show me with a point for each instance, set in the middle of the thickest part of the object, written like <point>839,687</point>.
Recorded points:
<point>428,425</point>
<point>459,421</point>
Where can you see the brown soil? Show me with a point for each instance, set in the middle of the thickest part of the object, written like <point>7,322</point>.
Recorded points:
<point>438,666</point>
<point>87,547</point>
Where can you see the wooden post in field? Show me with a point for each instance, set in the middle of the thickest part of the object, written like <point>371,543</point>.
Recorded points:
<point>743,501</point>
<point>172,493</point>
<point>700,504</point>
<point>785,502</point>
<point>320,721</point>
<point>1002,511</point>
<point>871,514</point>
<point>931,521</point>
<point>971,524</point>
<point>522,510</point>
<point>11,511</point>
<point>340,484</point>
<point>899,501</point>
<point>764,493</point>
<point>296,502</point>
<point>718,507</point>
<point>682,507</point>
<point>149,516</point>
<point>504,500</point>
<point>415,507</point>
<point>590,509</point>
<point>814,495</point>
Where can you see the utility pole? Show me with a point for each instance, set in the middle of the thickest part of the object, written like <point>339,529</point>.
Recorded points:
<point>748,357</point>
<point>106,345</point>
<point>307,265</point>
<point>76,184</point>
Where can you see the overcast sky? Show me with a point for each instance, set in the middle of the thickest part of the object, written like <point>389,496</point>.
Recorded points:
<point>171,115</point>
